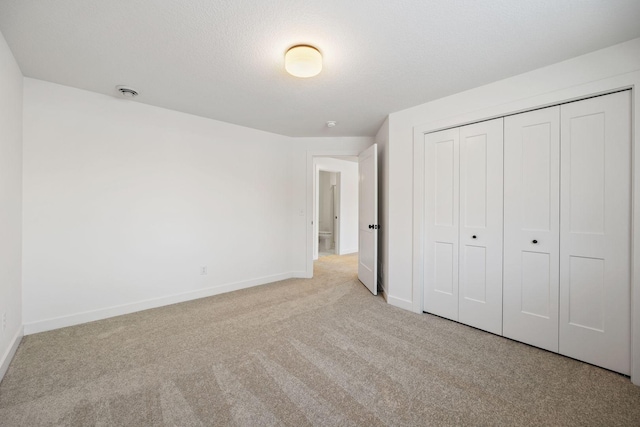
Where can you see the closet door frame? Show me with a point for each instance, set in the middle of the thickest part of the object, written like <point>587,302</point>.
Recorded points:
<point>501,109</point>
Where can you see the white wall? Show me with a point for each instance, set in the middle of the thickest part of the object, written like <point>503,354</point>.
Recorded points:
<point>348,217</point>
<point>125,202</point>
<point>10,205</point>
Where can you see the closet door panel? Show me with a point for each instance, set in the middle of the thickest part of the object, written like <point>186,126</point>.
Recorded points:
<point>441,223</point>
<point>531,227</point>
<point>481,202</point>
<point>595,231</point>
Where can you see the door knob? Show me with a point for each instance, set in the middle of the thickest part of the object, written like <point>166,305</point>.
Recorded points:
<point>474,237</point>
<point>370,225</point>
<point>535,242</point>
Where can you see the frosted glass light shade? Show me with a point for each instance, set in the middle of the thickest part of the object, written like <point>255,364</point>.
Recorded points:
<point>303,61</point>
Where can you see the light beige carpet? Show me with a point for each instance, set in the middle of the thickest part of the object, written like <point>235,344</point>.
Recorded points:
<point>301,352</point>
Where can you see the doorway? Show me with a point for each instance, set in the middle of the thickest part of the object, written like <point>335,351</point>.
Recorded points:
<point>335,206</point>
<point>357,233</point>
<point>327,216</point>
<point>345,164</point>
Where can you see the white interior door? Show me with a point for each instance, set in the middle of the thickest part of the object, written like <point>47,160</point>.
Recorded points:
<point>531,227</point>
<point>481,221</point>
<point>441,197</point>
<point>595,231</point>
<point>336,214</point>
<point>368,218</point>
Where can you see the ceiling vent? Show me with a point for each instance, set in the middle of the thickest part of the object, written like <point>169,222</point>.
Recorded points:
<point>127,92</point>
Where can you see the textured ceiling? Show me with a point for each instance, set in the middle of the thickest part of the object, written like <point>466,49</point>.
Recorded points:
<point>223,59</point>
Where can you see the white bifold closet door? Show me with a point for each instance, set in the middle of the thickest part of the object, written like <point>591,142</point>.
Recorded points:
<point>442,190</point>
<point>463,224</point>
<point>481,199</point>
<point>532,227</point>
<point>595,231</point>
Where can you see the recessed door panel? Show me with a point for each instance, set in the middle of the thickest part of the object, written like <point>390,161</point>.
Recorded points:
<point>444,264</point>
<point>531,227</point>
<point>536,288</point>
<point>475,273</point>
<point>595,231</point>
<point>586,173</point>
<point>586,293</point>
<point>536,174</point>
<point>441,197</point>
<point>475,181</point>
<point>444,182</point>
<point>481,200</point>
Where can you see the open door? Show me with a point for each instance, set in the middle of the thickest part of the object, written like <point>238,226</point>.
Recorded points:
<point>368,218</point>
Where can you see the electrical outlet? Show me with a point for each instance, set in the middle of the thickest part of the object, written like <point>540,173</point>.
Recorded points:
<point>4,321</point>
<point>203,270</point>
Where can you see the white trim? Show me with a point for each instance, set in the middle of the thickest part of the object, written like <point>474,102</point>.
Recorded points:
<point>316,202</point>
<point>104,313</point>
<point>418,222</point>
<point>562,96</point>
<point>300,275</point>
<point>348,251</point>
<point>7,357</point>
<point>404,304</point>
<point>635,242</point>
<point>598,87</point>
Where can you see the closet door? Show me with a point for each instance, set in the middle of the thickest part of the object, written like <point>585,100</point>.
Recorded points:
<point>595,227</point>
<point>531,227</point>
<point>441,223</point>
<point>481,200</point>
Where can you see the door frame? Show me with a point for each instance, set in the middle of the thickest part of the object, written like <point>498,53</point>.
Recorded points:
<point>311,154</point>
<point>574,93</point>
<point>316,209</point>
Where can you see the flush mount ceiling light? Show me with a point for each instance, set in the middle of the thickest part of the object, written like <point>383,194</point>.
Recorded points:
<point>303,61</point>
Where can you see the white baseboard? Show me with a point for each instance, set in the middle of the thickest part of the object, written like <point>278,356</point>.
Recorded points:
<point>400,303</point>
<point>104,313</point>
<point>7,357</point>
<point>348,251</point>
<point>300,275</point>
